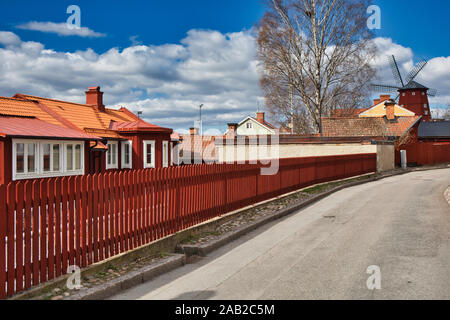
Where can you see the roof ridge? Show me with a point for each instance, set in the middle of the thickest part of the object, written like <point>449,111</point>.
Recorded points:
<point>15,99</point>
<point>75,103</point>
<point>56,100</point>
<point>55,115</point>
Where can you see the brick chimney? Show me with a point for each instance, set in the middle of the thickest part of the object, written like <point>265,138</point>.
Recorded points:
<point>260,117</point>
<point>232,129</point>
<point>94,97</point>
<point>390,110</point>
<point>381,99</point>
<point>193,131</point>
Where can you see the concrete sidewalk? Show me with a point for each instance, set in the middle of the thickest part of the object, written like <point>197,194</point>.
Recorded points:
<point>401,224</point>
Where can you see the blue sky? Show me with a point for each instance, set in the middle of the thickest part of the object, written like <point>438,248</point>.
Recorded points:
<point>198,51</point>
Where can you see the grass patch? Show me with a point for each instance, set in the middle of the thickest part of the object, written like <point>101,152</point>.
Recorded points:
<point>330,185</point>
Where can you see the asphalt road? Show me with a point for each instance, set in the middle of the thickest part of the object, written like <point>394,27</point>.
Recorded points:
<point>400,224</point>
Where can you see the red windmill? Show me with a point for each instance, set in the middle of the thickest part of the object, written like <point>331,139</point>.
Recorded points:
<point>413,96</point>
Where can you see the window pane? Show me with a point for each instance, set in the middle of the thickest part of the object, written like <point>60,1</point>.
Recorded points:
<point>149,153</point>
<point>127,153</point>
<point>69,157</point>
<point>114,154</point>
<point>46,155</point>
<point>31,157</point>
<point>108,154</point>
<point>56,157</point>
<point>78,157</point>
<point>19,158</point>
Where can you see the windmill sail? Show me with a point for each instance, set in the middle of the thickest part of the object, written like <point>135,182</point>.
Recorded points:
<point>396,71</point>
<point>384,88</point>
<point>415,71</point>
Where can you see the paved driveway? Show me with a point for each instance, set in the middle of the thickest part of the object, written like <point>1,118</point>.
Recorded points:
<point>400,224</point>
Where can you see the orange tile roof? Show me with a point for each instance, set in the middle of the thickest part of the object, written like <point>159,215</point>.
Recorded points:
<point>367,127</point>
<point>76,116</point>
<point>24,108</point>
<point>136,126</point>
<point>81,115</point>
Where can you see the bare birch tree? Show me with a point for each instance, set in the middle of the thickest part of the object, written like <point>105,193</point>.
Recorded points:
<point>316,56</point>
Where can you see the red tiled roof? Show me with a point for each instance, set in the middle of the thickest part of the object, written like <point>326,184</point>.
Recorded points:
<point>31,127</point>
<point>367,127</point>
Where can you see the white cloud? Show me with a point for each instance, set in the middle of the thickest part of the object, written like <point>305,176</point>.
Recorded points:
<point>168,82</point>
<point>61,29</point>
<point>9,39</point>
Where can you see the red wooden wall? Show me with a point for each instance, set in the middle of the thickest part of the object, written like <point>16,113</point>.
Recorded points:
<point>426,153</point>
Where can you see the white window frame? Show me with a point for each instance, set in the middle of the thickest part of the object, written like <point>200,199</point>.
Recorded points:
<point>145,144</point>
<point>171,154</point>
<point>122,149</point>
<point>165,154</point>
<point>73,171</point>
<point>249,125</point>
<point>39,160</point>
<point>114,165</point>
<point>413,93</point>
<point>61,157</point>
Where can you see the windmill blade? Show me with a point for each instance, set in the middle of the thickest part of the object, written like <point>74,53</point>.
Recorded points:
<point>396,99</point>
<point>432,92</point>
<point>416,70</point>
<point>384,88</point>
<point>396,71</point>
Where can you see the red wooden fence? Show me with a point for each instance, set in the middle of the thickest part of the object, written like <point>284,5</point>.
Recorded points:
<point>426,153</point>
<point>47,225</point>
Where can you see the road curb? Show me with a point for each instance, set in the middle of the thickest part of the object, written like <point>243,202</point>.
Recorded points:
<point>131,279</point>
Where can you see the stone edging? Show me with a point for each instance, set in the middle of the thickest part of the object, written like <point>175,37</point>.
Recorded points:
<point>131,279</point>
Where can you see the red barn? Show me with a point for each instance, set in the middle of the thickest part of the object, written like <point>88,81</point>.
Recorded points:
<point>43,138</point>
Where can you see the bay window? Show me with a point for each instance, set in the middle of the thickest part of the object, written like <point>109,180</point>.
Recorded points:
<point>149,154</point>
<point>112,156</point>
<point>43,158</point>
<point>127,155</point>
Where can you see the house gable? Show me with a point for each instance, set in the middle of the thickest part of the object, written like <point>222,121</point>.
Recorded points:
<point>257,127</point>
<point>379,111</point>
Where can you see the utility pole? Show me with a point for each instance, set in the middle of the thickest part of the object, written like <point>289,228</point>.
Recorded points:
<point>200,120</point>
